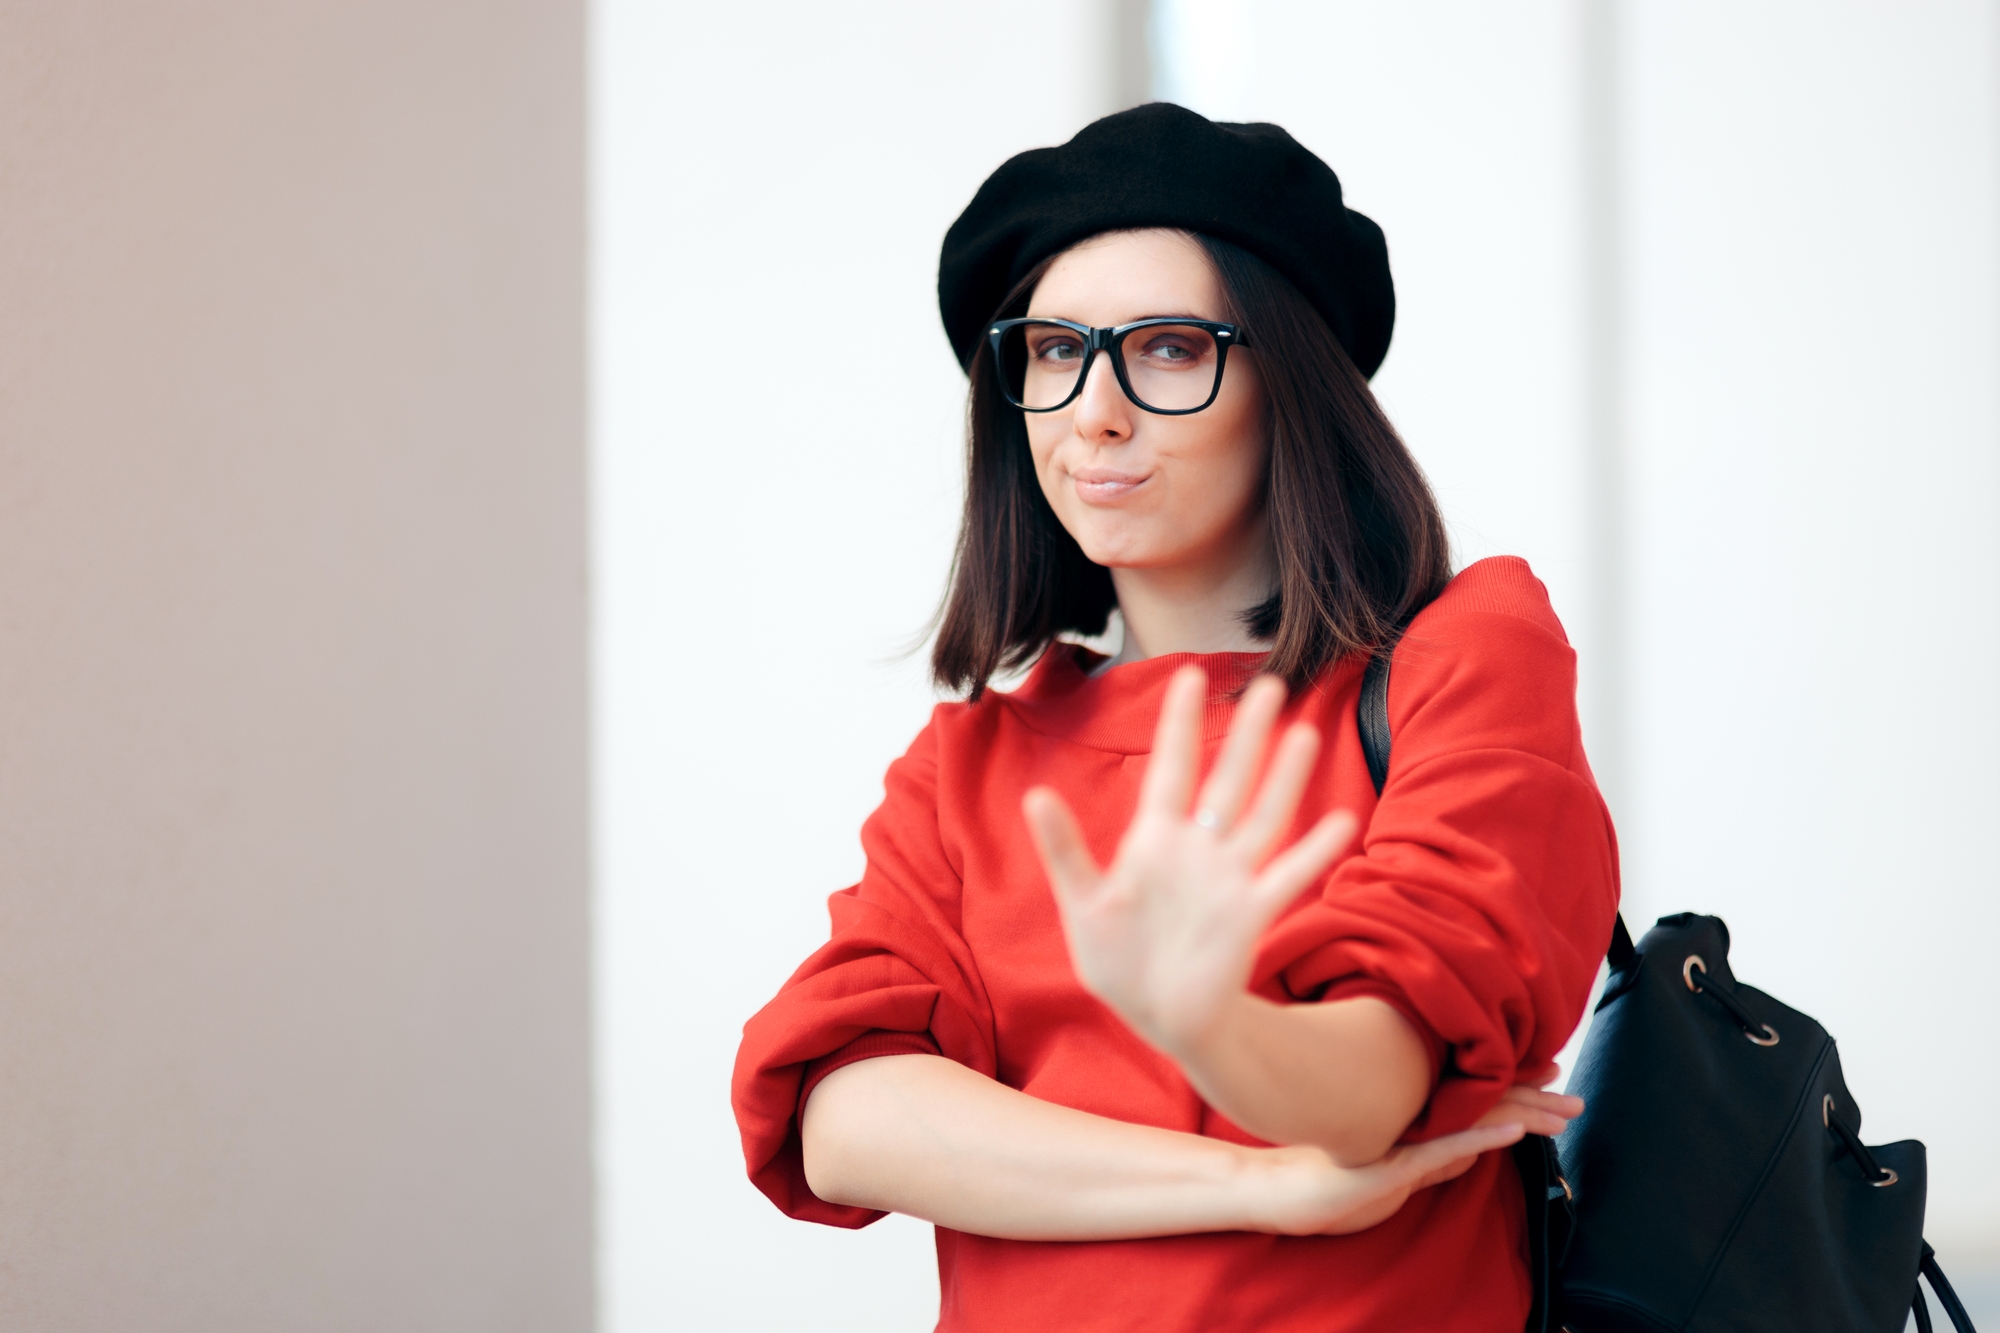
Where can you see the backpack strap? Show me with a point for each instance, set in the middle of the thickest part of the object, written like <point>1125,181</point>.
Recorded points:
<point>1953,1308</point>
<point>1622,950</point>
<point>1372,716</point>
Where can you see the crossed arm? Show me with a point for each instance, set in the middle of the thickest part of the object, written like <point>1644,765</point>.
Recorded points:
<point>1166,936</point>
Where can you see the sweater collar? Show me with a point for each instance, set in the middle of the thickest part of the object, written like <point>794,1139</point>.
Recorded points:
<point>1118,710</point>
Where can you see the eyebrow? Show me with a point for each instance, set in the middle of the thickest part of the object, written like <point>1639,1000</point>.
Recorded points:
<point>1168,314</point>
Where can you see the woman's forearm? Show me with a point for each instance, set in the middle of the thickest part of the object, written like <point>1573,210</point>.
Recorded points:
<point>923,1135</point>
<point>1348,1076</point>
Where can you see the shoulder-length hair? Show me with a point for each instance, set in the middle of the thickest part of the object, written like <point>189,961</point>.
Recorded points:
<point>1360,546</point>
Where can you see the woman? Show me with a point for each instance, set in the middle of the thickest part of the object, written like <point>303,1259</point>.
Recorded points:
<point>1161,1035</point>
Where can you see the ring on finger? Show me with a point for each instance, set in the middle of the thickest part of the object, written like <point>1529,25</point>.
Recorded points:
<point>1208,819</point>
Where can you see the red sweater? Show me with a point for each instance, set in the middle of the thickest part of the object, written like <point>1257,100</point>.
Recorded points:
<point>1478,901</point>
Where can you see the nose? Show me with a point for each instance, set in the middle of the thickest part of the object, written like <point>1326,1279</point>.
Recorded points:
<point>1103,412</point>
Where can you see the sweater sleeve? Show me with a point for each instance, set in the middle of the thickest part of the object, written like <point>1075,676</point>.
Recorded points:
<point>1485,884</point>
<point>867,1046</point>
<point>896,963</point>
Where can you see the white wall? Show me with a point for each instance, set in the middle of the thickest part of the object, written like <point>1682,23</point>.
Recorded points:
<point>770,533</point>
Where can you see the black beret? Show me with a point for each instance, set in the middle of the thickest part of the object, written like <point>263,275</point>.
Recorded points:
<point>1161,165</point>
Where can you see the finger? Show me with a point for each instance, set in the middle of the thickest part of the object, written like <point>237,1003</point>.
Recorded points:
<point>1228,786</point>
<point>1540,1122</point>
<point>1072,870</point>
<point>1278,800</point>
<point>1293,870</point>
<point>1531,1119</point>
<point>1422,1160</point>
<point>1556,1103</point>
<point>1170,770</point>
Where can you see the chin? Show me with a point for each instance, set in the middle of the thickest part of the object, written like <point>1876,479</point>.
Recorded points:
<point>1129,541</point>
<point>1120,555</point>
<point>1107,549</point>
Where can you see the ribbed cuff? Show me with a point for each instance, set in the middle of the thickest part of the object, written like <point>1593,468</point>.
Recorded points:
<point>864,1047</point>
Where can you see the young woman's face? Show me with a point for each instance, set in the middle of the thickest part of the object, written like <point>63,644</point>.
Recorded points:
<point>1138,490</point>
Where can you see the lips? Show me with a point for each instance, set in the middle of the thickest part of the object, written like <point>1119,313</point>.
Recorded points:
<point>1098,485</point>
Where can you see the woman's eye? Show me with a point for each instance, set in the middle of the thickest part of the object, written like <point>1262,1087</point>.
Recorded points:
<point>1170,352</point>
<point>1061,351</point>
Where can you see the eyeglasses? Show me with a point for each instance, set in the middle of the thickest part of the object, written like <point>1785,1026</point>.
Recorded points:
<point>1167,366</point>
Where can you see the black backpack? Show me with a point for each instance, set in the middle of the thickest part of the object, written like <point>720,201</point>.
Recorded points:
<point>1716,1181</point>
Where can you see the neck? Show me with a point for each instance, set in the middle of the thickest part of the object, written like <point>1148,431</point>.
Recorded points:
<point>1195,608</point>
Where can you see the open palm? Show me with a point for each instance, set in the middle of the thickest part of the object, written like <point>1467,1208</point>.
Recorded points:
<point>1167,934</point>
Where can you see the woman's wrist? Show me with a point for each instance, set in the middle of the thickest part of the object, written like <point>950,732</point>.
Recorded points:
<point>1196,1043</point>
<point>1280,1190</point>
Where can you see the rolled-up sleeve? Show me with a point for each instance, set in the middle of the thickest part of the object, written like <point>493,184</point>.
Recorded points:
<point>896,972</point>
<point>1482,894</point>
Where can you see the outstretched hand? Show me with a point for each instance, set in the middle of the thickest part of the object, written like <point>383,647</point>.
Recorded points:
<point>1167,934</point>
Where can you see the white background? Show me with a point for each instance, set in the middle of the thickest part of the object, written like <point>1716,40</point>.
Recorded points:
<point>1807,543</point>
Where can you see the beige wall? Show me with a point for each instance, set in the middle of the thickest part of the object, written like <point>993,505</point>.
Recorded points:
<point>293,1028</point>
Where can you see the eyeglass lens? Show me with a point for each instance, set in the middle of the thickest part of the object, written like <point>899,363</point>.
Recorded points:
<point>1171,367</point>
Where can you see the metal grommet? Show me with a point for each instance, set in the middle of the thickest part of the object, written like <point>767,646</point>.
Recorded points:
<point>1826,1110</point>
<point>1687,971</point>
<point>1770,1037</point>
<point>1568,1193</point>
<point>1889,1177</point>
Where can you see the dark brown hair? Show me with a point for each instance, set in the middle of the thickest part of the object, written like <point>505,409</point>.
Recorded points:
<point>1359,542</point>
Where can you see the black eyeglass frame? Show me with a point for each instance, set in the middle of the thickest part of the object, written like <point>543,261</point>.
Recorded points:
<point>1112,342</point>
